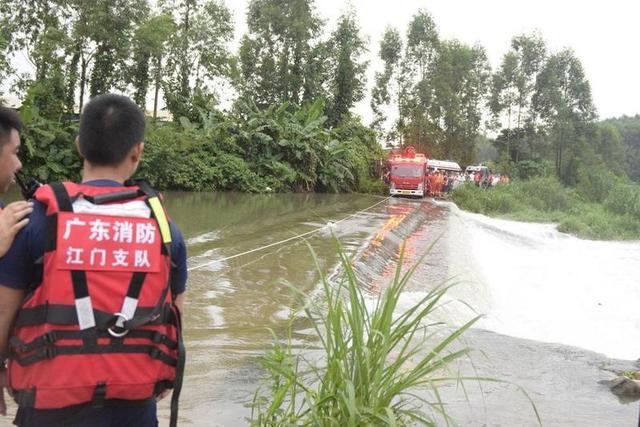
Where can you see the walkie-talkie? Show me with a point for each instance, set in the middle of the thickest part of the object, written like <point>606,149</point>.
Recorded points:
<point>27,188</point>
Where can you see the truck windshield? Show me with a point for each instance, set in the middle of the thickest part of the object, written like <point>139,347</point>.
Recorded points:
<point>406,171</point>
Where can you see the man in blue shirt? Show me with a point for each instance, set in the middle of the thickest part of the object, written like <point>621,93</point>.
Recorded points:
<point>12,217</point>
<point>111,144</point>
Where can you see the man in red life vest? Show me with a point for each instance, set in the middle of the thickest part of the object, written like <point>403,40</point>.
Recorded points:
<point>12,216</point>
<point>97,340</point>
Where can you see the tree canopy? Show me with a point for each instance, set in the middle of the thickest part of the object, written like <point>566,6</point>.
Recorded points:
<point>438,94</point>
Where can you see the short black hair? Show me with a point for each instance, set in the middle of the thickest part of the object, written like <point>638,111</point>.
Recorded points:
<point>110,125</point>
<point>9,119</point>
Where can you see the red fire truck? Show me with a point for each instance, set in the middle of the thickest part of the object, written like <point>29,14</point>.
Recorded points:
<point>407,173</point>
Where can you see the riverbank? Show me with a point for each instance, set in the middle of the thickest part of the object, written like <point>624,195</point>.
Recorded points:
<point>615,215</point>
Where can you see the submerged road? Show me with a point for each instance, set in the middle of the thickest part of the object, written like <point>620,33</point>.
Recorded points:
<point>559,312</point>
<point>497,265</point>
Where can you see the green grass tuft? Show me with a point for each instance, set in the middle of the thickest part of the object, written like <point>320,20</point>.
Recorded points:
<point>372,360</point>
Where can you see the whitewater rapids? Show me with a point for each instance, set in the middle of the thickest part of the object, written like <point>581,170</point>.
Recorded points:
<point>534,282</point>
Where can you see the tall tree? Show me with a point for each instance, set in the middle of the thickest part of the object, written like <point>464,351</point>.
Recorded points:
<point>280,53</point>
<point>386,90</point>
<point>101,32</point>
<point>150,46</point>
<point>416,89</point>
<point>5,63</point>
<point>439,88</point>
<point>609,145</point>
<point>198,56</point>
<point>563,101</point>
<point>347,69</point>
<point>111,26</point>
<point>407,81</point>
<point>629,128</point>
<point>29,27</point>
<point>37,29</point>
<point>460,82</point>
<point>83,53</point>
<point>512,91</point>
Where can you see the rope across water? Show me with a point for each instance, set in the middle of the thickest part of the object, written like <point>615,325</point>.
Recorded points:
<point>298,236</point>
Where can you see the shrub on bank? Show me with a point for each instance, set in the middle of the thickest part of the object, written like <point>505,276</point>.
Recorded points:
<point>48,152</point>
<point>611,214</point>
<point>541,194</point>
<point>374,186</point>
<point>594,221</point>
<point>595,184</point>
<point>624,199</point>
<point>544,194</point>
<point>533,168</point>
<point>280,149</point>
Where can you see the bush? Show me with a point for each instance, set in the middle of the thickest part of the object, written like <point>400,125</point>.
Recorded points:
<point>545,194</point>
<point>470,197</point>
<point>501,201</point>
<point>281,148</point>
<point>593,221</point>
<point>624,199</point>
<point>545,199</point>
<point>374,186</point>
<point>48,146</point>
<point>595,184</point>
<point>527,169</point>
<point>344,163</point>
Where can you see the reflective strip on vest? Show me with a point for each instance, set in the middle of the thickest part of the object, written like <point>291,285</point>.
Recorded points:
<point>135,209</point>
<point>158,211</point>
<point>84,309</point>
<point>128,309</point>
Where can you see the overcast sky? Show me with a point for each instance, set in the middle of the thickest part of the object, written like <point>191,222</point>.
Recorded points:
<point>605,35</point>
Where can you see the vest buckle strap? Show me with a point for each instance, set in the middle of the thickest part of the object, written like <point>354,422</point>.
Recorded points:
<point>99,395</point>
<point>25,398</point>
<point>49,352</point>
<point>49,337</point>
<point>17,345</point>
<point>154,352</point>
<point>116,331</point>
<point>158,337</point>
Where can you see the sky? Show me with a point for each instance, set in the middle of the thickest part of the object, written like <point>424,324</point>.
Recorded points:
<point>604,35</point>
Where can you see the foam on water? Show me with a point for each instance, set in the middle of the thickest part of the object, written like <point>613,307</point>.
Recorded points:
<point>203,238</point>
<point>548,286</point>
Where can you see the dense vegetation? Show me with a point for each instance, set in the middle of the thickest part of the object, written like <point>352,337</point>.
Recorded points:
<point>289,93</point>
<point>629,129</point>
<point>261,150</point>
<point>608,209</point>
<point>601,202</point>
<point>289,128</point>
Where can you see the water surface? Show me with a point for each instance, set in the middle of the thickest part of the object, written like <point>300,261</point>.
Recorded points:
<point>559,310</point>
<point>526,278</point>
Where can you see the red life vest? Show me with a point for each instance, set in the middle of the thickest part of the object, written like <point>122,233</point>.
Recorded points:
<point>102,324</point>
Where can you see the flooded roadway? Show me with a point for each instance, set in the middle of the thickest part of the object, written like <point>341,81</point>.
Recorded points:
<point>231,304</point>
<point>555,321</point>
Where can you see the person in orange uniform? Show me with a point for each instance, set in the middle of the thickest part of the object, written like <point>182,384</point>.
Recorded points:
<point>431,180</point>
